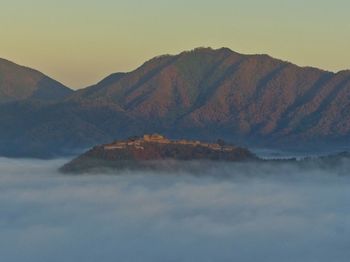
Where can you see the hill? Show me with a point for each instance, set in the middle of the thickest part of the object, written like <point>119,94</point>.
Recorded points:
<point>20,83</point>
<point>154,151</point>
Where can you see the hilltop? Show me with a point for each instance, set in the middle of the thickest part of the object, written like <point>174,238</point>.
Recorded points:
<point>149,151</point>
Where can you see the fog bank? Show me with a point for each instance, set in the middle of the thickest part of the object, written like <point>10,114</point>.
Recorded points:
<point>235,212</point>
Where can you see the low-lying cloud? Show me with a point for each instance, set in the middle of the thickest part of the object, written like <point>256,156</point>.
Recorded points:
<point>236,212</point>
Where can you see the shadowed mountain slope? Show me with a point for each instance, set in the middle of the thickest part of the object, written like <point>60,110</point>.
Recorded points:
<point>19,83</point>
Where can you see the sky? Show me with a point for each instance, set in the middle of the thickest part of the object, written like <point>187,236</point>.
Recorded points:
<point>235,212</point>
<point>82,41</point>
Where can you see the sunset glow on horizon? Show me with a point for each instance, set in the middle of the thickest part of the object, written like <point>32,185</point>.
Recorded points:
<point>79,43</point>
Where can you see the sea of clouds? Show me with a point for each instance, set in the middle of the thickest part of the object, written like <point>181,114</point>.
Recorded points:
<point>233,212</point>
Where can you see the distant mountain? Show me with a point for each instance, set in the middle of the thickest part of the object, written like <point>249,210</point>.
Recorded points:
<point>19,83</point>
<point>208,92</point>
<point>249,100</point>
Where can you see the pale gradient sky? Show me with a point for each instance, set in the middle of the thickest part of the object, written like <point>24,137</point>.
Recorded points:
<point>79,42</point>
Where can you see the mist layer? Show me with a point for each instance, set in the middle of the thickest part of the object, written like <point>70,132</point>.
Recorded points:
<point>235,212</point>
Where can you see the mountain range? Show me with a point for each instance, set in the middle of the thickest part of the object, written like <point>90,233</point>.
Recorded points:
<point>250,100</point>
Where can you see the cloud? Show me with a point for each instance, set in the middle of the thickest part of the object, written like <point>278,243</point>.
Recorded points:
<point>236,212</point>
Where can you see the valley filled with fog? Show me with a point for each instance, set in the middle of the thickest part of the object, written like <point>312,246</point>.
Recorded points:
<point>231,212</point>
